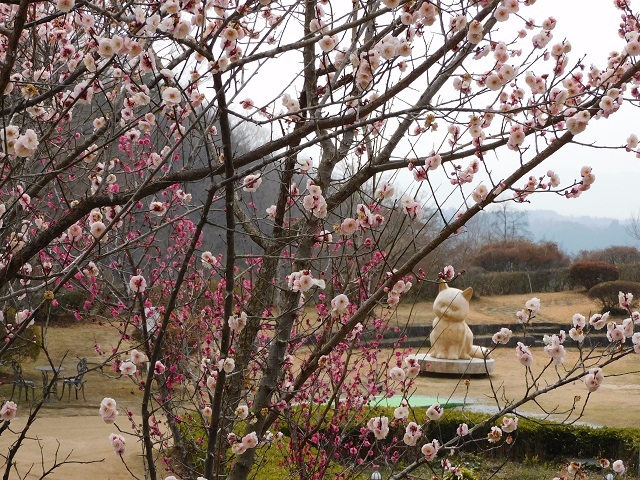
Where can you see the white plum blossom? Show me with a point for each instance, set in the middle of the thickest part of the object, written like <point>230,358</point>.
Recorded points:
<point>412,365</point>
<point>26,144</point>
<point>108,410</point>
<point>397,374</point>
<point>379,426</point>
<point>577,123</point>
<point>401,412</point>
<point>480,193</point>
<point>327,43</point>
<point>384,191</point>
<point>413,432</point>
<point>303,281</point>
<point>238,322</point>
<point>509,424</point>
<point>430,450</point>
<point>462,430</point>
<point>128,368</point>
<point>304,164</point>
<point>171,96</point>
<point>228,365</point>
<point>157,208</point>
<point>524,355</point>
<point>618,467</point>
<point>554,348</point>
<point>339,304</point>
<point>208,260</point>
<point>315,202</point>
<point>434,412</point>
<point>138,357</point>
<point>598,321</point>
<point>8,411</point>
<point>118,443</point>
<point>242,412</point>
<point>251,183</point>
<point>593,379</point>
<point>65,5</point>
<point>494,435</point>
<point>624,300</point>
<point>137,284</point>
<point>502,337</point>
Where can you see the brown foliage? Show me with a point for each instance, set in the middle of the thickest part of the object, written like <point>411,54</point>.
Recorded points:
<point>519,255</point>
<point>589,274</point>
<point>615,254</point>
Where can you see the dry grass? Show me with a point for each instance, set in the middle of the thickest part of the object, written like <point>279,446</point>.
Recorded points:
<point>70,342</point>
<point>557,307</point>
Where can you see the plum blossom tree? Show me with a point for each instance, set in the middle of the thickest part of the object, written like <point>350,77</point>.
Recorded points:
<point>115,114</point>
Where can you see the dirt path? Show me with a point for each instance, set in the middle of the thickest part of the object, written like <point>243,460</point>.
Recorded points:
<point>79,438</point>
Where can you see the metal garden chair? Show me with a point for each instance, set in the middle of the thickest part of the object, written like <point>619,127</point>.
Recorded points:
<point>20,382</point>
<point>77,381</point>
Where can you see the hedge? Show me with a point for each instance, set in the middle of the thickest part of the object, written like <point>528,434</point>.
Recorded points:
<point>514,283</point>
<point>500,283</point>
<point>606,294</point>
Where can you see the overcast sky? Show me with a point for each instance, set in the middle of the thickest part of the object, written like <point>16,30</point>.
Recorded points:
<point>616,193</point>
<point>593,34</point>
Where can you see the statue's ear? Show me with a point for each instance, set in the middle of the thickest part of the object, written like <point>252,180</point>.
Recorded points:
<point>468,293</point>
<point>443,286</point>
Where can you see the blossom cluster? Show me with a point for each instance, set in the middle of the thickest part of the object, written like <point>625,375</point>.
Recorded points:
<point>8,411</point>
<point>303,281</point>
<point>118,443</point>
<point>238,447</point>
<point>108,410</point>
<point>314,202</point>
<point>401,287</point>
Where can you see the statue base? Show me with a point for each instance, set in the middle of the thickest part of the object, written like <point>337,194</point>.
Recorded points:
<point>474,366</point>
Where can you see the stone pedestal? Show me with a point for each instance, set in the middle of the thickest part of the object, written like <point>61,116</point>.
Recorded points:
<point>475,366</point>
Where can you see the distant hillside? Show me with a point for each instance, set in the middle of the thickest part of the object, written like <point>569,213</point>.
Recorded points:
<point>578,233</point>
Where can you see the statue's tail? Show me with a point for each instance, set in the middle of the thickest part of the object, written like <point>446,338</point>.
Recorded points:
<point>479,352</point>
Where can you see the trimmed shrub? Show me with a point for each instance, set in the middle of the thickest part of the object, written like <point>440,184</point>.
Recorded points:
<point>499,283</point>
<point>589,274</point>
<point>606,294</point>
<point>519,255</point>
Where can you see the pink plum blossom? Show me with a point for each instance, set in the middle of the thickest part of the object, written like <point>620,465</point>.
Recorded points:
<point>8,411</point>
<point>118,443</point>
<point>430,450</point>
<point>137,284</point>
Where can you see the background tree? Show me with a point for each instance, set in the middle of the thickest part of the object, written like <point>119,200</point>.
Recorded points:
<point>507,224</point>
<point>614,255</point>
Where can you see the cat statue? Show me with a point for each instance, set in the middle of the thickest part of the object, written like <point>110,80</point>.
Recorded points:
<point>451,338</point>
